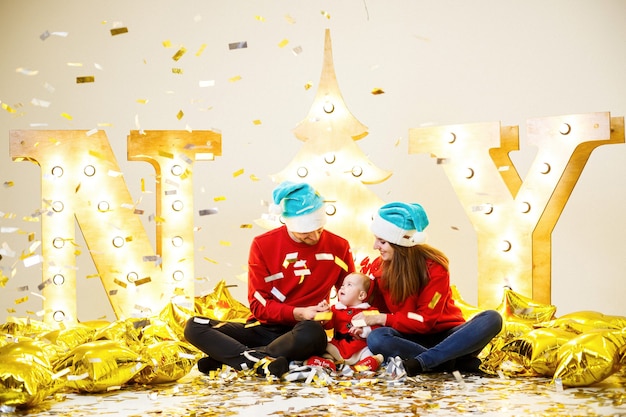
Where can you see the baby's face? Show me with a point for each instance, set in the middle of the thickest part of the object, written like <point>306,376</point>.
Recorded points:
<point>350,290</point>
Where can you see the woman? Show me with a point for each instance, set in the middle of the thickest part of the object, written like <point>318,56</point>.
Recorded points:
<point>422,324</point>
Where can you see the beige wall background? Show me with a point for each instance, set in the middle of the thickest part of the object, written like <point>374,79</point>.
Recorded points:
<point>443,62</point>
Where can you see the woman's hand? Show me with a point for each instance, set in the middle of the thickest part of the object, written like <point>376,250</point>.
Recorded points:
<point>371,319</point>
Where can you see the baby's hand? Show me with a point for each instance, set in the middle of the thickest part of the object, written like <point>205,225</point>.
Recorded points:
<point>356,331</point>
<point>323,306</point>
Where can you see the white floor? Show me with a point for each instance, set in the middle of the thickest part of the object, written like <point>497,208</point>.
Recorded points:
<point>228,394</point>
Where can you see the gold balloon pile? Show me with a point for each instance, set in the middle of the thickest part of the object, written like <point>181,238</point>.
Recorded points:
<point>38,361</point>
<point>577,349</point>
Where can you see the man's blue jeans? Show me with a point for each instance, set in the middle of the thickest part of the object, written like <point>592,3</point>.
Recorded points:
<point>437,349</point>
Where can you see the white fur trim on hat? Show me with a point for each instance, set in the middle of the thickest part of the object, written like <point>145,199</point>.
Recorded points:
<point>307,222</point>
<point>389,232</point>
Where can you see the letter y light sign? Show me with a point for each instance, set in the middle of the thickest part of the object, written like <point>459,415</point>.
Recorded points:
<point>514,219</point>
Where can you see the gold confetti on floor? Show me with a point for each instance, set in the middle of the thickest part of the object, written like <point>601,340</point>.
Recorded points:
<point>426,395</point>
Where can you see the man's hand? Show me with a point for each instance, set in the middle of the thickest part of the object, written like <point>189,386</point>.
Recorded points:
<point>308,313</point>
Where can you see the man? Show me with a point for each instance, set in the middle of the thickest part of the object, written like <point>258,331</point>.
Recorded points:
<point>291,271</point>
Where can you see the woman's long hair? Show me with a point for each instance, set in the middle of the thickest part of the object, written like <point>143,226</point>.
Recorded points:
<point>407,271</point>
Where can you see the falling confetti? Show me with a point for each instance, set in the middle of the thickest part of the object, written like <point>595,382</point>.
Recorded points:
<point>238,45</point>
<point>201,49</point>
<point>178,55</point>
<point>118,31</point>
<point>85,79</point>
<point>26,71</point>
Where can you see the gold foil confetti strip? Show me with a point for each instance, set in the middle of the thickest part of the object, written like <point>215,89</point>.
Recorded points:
<point>219,198</point>
<point>67,116</point>
<point>260,18</point>
<point>290,19</point>
<point>179,54</point>
<point>201,49</point>
<point>95,154</point>
<point>21,300</point>
<point>167,44</point>
<point>180,114</point>
<point>370,312</point>
<point>308,85</point>
<point>143,281</point>
<point>256,122</point>
<point>165,154</point>
<point>283,43</point>
<point>245,226</point>
<point>341,263</point>
<point>213,261</point>
<point>225,243</point>
<point>323,316</point>
<point>254,177</point>
<point>7,108</point>
<point>8,184</point>
<point>325,14</point>
<point>142,100</point>
<point>235,79</point>
<point>238,173</point>
<point>120,283</point>
<point>118,31</point>
<point>377,91</point>
<point>434,301</point>
<point>177,70</point>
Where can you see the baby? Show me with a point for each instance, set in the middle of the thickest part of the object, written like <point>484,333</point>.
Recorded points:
<point>348,344</point>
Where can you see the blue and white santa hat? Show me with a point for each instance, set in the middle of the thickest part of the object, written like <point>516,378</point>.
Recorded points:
<point>301,207</point>
<point>401,223</point>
